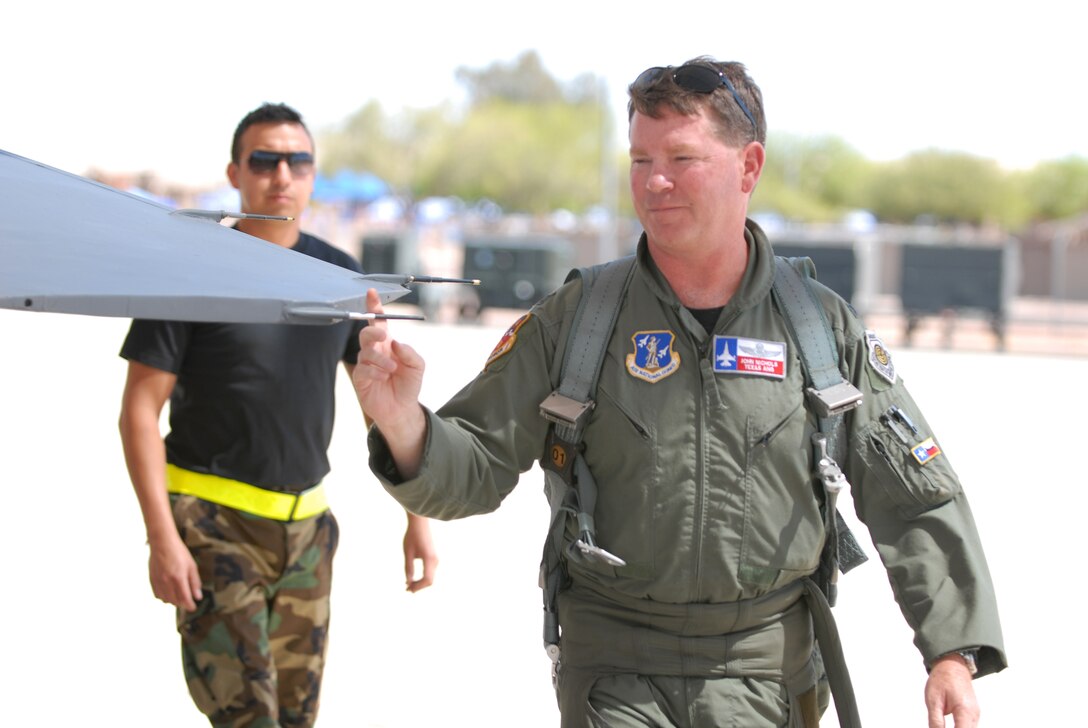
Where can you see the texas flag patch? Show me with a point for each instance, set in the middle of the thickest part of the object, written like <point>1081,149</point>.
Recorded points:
<point>735,355</point>
<point>925,451</point>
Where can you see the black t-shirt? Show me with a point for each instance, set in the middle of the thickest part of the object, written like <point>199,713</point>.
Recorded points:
<point>253,402</point>
<point>708,317</point>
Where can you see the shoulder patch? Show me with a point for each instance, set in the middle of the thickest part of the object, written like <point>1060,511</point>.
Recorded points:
<point>506,343</point>
<point>880,359</point>
<point>654,358</point>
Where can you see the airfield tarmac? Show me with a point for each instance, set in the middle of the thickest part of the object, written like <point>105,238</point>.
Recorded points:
<point>85,643</point>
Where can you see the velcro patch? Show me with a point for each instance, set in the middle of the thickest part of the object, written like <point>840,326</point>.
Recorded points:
<point>736,355</point>
<point>654,358</point>
<point>506,343</point>
<point>880,359</point>
<point>925,451</point>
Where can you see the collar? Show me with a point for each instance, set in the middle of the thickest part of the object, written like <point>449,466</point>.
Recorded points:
<point>755,286</point>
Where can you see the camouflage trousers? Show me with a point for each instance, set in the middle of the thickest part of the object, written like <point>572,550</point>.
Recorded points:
<point>254,649</point>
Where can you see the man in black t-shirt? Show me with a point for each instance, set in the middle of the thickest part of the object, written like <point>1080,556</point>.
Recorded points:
<point>241,537</point>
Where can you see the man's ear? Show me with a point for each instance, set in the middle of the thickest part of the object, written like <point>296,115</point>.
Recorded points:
<point>754,156</point>
<point>232,174</point>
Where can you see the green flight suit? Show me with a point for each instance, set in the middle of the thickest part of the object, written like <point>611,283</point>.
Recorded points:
<point>706,489</point>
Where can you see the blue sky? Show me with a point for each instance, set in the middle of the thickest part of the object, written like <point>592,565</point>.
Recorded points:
<point>131,86</point>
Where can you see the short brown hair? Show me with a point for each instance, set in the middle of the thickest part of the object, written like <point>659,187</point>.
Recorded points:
<point>729,118</point>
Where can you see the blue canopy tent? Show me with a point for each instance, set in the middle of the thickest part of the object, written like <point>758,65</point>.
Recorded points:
<point>348,186</point>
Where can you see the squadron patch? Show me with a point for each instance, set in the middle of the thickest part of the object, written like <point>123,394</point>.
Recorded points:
<point>735,355</point>
<point>654,358</point>
<point>506,343</point>
<point>880,359</point>
<point>925,451</point>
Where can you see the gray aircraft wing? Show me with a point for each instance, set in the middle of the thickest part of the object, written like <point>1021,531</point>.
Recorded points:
<point>71,245</point>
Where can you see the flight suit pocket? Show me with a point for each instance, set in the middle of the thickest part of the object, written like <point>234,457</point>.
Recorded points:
<point>783,528</point>
<point>915,476</point>
<point>622,445</point>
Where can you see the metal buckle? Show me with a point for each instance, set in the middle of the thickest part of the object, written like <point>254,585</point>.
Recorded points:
<point>553,655</point>
<point>563,410</point>
<point>827,469</point>
<point>595,552</point>
<point>834,400</point>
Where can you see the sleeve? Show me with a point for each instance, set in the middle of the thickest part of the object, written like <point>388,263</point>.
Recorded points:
<point>351,344</point>
<point>480,442</point>
<point>316,248</point>
<point>910,498</point>
<point>158,344</point>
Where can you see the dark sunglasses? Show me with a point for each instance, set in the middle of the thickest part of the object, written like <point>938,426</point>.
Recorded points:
<point>262,162</point>
<point>694,77</point>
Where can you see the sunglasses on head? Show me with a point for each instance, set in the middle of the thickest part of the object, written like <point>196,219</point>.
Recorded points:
<point>264,162</point>
<point>694,77</point>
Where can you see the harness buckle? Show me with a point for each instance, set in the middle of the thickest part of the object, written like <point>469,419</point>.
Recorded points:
<point>595,552</point>
<point>834,400</point>
<point>553,655</point>
<point>827,469</point>
<point>564,411</point>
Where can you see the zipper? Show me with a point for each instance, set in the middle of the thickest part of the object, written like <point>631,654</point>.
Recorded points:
<point>899,484</point>
<point>707,382</point>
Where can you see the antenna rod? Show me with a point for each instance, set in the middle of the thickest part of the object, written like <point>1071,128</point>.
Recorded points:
<point>400,279</point>
<point>220,215</point>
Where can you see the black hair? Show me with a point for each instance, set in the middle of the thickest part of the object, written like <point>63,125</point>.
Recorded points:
<point>266,113</point>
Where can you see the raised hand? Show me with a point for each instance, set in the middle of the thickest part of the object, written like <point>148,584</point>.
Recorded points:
<point>387,379</point>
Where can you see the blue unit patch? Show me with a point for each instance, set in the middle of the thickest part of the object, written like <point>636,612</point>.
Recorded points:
<point>654,358</point>
<point>737,355</point>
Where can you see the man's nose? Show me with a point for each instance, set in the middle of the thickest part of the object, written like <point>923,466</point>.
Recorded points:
<point>658,182</point>
<point>283,171</point>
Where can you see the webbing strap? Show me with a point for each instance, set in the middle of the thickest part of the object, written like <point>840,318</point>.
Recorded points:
<point>808,323</point>
<point>595,319</point>
<point>838,675</point>
<point>602,290</point>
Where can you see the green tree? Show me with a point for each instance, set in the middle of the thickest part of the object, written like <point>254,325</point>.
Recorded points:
<point>389,146</point>
<point>534,144</point>
<point>812,178</point>
<point>1057,189</point>
<point>527,141</point>
<point>529,157</point>
<point>944,186</point>
<point>523,81</point>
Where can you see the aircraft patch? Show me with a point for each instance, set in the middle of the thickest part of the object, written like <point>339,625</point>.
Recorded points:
<point>880,359</point>
<point>506,343</point>
<point>736,355</point>
<point>654,358</point>
<point>925,451</point>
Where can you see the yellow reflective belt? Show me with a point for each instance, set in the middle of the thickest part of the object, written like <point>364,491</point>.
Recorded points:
<point>245,497</point>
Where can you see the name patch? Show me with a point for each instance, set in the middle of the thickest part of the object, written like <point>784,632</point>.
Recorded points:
<point>735,355</point>
<point>654,358</point>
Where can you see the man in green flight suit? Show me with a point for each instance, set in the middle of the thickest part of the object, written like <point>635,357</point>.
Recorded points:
<point>700,445</point>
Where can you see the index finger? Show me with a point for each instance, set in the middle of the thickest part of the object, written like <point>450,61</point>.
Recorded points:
<point>374,302</point>
<point>374,305</point>
<point>376,312</point>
